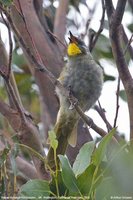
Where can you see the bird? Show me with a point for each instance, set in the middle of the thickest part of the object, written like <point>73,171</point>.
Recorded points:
<point>84,77</point>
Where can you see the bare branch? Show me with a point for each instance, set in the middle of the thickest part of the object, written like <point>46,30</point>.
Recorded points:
<point>128,44</point>
<point>26,168</point>
<point>95,38</point>
<point>88,121</point>
<point>32,41</point>
<point>28,134</point>
<point>23,125</point>
<point>91,14</point>
<point>117,102</point>
<point>59,40</point>
<point>109,7</point>
<point>10,45</point>
<point>60,19</point>
<point>118,14</point>
<point>126,41</point>
<point>5,74</point>
<point>101,112</point>
<point>11,115</point>
<point>115,36</point>
<point>110,10</point>
<point>47,50</point>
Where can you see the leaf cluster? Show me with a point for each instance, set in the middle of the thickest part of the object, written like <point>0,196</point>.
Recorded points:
<point>97,173</point>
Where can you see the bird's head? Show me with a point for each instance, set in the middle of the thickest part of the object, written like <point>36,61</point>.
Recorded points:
<point>75,46</point>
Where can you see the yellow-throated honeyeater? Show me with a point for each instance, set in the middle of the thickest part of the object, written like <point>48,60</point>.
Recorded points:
<point>84,76</point>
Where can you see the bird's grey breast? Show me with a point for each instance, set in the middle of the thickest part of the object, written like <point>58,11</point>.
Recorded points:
<point>84,77</point>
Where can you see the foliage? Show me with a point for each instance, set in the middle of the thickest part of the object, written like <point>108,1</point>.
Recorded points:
<point>104,176</point>
<point>6,2</point>
<point>35,188</point>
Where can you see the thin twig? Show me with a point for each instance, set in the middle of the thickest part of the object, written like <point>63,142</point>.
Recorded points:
<point>88,121</point>
<point>10,45</point>
<point>32,41</point>
<point>101,112</point>
<point>6,73</point>
<point>54,36</point>
<point>126,40</point>
<point>128,44</point>
<point>91,123</point>
<point>91,12</point>
<point>20,110</point>
<point>95,38</point>
<point>60,20</point>
<point>117,102</point>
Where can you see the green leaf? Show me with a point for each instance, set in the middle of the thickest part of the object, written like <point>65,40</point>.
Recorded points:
<point>120,175</point>
<point>52,139</point>
<point>14,153</point>
<point>106,189</point>
<point>35,188</point>
<point>99,153</point>
<point>13,164</point>
<point>68,175</point>
<point>85,180</point>
<point>83,158</point>
<point>6,2</point>
<point>61,185</point>
<point>130,27</point>
<point>121,168</point>
<point>3,156</point>
<point>102,48</point>
<point>108,78</point>
<point>122,94</point>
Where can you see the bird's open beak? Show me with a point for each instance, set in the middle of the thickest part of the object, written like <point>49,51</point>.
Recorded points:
<point>72,38</point>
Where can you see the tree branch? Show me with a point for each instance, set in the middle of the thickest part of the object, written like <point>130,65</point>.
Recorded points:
<point>28,134</point>
<point>21,123</point>
<point>118,14</point>
<point>127,43</point>
<point>109,8</point>
<point>88,121</point>
<point>115,36</point>
<point>47,51</point>
<point>10,45</point>
<point>95,38</point>
<point>117,102</point>
<point>101,112</point>
<point>60,20</point>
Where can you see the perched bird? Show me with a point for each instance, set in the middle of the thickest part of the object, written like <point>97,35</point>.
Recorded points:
<point>84,77</point>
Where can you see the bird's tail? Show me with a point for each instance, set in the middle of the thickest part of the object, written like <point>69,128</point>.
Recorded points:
<point>66,132</point>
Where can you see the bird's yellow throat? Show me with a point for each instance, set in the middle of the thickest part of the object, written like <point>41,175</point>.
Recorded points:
<point>73,50</point>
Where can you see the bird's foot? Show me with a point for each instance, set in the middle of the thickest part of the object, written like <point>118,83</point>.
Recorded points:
<point>72,99</point>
